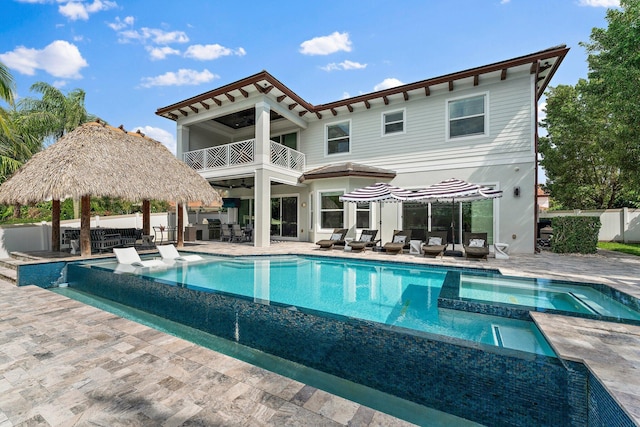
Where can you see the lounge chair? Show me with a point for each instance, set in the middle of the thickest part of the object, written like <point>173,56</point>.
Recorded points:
<point>475,245</point>
<point>367,239</point>
<point>129,256</point>
<point>169,252</point>
<point>399,242</point>
<point>337,237</point>
<point>435,243</point>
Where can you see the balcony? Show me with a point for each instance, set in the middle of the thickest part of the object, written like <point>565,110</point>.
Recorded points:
<point>242,153</point>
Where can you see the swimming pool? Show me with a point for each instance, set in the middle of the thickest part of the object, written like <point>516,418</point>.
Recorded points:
<point>390,331</point>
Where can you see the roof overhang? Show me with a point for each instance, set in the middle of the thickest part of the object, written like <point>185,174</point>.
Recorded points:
<point>542,65</point>
<point>347,169</point>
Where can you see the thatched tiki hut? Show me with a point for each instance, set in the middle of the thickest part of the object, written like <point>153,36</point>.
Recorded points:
<point>100,160</point>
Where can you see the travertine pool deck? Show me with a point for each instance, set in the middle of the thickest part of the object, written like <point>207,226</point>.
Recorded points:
<point>63,363</point>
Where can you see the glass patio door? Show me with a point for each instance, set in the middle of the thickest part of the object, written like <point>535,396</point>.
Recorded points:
<point>284,217</point>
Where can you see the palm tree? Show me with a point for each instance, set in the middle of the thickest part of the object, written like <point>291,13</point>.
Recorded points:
<point>7,87</point>
<point>54,114</point>
<point>7,84</point>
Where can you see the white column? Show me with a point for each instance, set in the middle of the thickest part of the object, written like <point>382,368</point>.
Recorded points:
<point>182,141</point>
<point>262,188</point>
<point>262,194</point>
<point>263,133</point>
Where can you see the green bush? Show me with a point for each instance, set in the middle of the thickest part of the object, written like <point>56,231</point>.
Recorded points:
<point>575,234</point>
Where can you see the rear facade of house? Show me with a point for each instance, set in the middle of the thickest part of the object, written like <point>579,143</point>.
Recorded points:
<point>282,163</point>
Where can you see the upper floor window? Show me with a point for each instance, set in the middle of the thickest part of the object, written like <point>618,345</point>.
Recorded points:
<point>338,137</point>
<point>289,140</point>
<point>393,122</point>
<point>467,116</point>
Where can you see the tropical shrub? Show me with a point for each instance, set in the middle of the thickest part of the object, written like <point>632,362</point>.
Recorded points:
<point>575,234</point>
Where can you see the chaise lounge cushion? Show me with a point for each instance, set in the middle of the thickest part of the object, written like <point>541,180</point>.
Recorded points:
<point>337,238</point>
<point>436,243</point>
<point>367,239</point>
<point>399,242</point>
<point>475,245</point>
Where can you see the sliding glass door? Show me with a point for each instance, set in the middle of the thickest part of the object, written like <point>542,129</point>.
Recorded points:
<point>284,217</point>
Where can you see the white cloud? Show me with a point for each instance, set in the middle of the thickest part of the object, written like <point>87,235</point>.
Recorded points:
<point>121,24</point>
<point>60,59</point>
<point>345,65</point>
<point>326,45</point>
<point>75,10</point>
<point>154,35</point>
<point>211,51</point>
<point>157,53</point>
<point>166,138</point>
<point>504,1</point>
<point>600,3</point>
<point>180,78</point>
<point>387,84</point>
<point>345,95</point>
<point>59,83</point>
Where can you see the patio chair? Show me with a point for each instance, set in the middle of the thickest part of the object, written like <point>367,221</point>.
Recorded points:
<point>170,253</point>
<point>435,244</point>
<point>475,245</point>
<point>337,237</point>
<point>399,242</point>
<point>129,256</point>
<point>237,233</point>
<point>225,233</point>
<point>367,239</point>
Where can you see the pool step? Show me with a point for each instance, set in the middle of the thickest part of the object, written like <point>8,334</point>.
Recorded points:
<point>8,273</point>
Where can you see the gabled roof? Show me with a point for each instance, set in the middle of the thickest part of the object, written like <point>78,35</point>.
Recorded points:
<point>542,64</point>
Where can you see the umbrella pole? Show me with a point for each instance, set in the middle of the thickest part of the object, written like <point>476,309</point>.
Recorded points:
<point>380,219</point>
<point>453,226</point>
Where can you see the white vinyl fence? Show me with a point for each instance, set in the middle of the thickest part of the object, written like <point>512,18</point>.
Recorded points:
<point>37,237</point>
<point>618,225</point>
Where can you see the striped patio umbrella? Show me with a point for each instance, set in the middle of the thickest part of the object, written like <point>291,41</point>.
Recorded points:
<point>380,192</point>
<point>454,190</point>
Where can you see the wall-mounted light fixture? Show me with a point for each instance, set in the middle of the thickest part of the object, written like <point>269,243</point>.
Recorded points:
<point>304,204</point>
<point>516,191</point>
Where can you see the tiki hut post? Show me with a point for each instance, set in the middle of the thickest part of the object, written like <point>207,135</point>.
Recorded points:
<point>180,227</point>
<point>146,217</point>
<point>55,225</point>
<point>85,226</point>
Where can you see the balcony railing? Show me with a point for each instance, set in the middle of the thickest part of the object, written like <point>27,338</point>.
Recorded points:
<point>242,153</point>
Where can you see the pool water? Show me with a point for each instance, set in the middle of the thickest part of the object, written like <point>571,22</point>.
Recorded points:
<point>399,295</point>
<point>544,294</point>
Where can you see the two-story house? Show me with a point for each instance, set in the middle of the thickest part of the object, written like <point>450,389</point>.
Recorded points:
<point>282,163</point>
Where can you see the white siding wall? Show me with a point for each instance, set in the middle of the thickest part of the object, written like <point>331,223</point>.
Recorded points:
<point>424,144</point>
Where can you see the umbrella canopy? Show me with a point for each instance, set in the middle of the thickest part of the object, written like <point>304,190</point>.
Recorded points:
<point>380,192</point>
<point>454,190</point>
<point>100,160</point>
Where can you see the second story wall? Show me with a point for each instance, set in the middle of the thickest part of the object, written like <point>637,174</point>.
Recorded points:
<point>424,143</point>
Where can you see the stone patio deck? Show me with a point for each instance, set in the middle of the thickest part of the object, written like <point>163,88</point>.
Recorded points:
<point>63,363</point>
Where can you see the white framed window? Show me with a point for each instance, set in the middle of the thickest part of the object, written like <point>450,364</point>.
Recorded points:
<point>338,138</point>
<point>393,122</point>
<point>363,215</point>
<point>467,116</point>
<point>331,210</point>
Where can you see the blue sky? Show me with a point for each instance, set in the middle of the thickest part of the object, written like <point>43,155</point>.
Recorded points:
<point>135,56</point>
